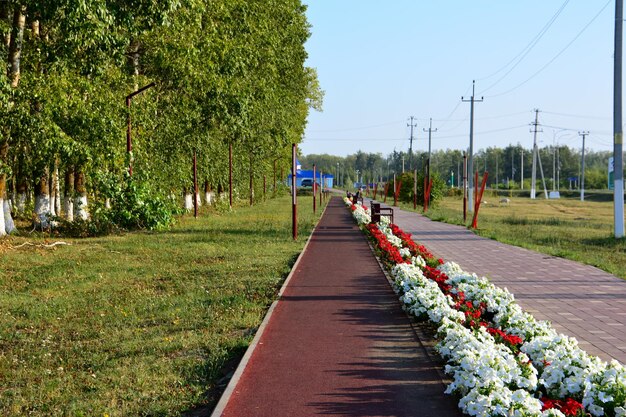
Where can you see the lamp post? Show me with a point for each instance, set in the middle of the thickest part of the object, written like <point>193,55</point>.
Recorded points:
<point>129,141</point>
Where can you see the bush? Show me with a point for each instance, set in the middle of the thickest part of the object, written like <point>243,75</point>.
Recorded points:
<point>406,188</point>
<point>134,206</point>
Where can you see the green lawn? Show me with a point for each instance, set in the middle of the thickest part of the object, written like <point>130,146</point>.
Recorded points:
<point>144,323</point>
<point>568,228</point>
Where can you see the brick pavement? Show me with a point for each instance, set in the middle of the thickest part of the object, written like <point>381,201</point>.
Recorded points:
<point>337,341</point>
<point>580,300</point>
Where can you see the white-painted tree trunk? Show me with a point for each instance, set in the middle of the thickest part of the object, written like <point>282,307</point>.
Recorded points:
<point>209,197</point>
<point>188,202</point>
<point>198,200</point>
<point>68,208</point>
<point>9,226</point>
<point>53,193</point>
<point>80,197</point>
<point>107,203</point>
<point>57,189</point>
<point>68,196</point>
<point>3,231</point>
<point>80,207</point>
<point>42,210</point>
<point>20,203</point>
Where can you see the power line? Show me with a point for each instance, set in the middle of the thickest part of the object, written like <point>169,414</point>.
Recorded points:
<point>528,48</point>
<point>577,116</point>
<point>556,56</point>
<point>357,128</point>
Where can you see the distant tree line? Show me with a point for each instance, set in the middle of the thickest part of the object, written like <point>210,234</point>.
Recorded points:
<point>503,164</point>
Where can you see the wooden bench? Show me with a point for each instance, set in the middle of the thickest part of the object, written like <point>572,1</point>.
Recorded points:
<point>378,211</point>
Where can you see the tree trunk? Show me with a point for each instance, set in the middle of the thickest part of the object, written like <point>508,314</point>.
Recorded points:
<point>188,199</point>
<point>133,54</point>
<point>208,193</point>
<point>4,16</point>
<point>15,45</point>
<point>57,188</point>
<point>22,194</point>
<point>68,203</point>
<point>3,181</point>
<point>80,197</point>
<point>42,200</point>
<point>52,194</point>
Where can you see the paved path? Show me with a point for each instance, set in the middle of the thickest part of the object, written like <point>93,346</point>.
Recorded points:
<point>337,342</point>
<point>580,300</point>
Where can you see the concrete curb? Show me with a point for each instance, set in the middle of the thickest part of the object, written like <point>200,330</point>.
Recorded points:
<point>230,388</point>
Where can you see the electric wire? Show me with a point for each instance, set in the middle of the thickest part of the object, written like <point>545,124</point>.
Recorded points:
<point>527,49</point>
<point>556,56</point>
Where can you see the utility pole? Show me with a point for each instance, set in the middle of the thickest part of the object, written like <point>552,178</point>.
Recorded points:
<point>411,125</point>
<point>582,167</point>
<point>470,167</point>
<point>533,182</point>
<point>558,170</point>
<point>512,166</point>
<point>496,171</point>
<point>522,170</point>
<point>618,137</point>
<point>430,132</point>
<point>554,169</point>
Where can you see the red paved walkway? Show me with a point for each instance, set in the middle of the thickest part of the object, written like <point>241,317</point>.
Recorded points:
<point>337,342</point>
<point>580,300</point>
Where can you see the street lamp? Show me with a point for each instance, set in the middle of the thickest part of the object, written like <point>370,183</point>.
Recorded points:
<point>129,142</point>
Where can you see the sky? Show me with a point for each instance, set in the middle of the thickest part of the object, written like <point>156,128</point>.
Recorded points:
<point>380,62</point>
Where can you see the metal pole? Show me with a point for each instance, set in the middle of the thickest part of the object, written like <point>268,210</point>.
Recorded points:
<point>554,169</point>
<point>294,210</point>
<point>582,167</point>
<point>314,189</point>
<point>129,144</point>
<point>230,174</point>
<point>251,183</point>
<point>470,167</point>
<point>195,185</point>
<point>533,182</point>
<point>321,186</point>
<point>415,190</point>
<point>464,187</point>
<point>522,170</point>
<point>129,141</point>
<point>618,138</point>
<point>430,132</point>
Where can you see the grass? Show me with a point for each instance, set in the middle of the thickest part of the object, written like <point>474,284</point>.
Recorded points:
<point>142,324</point>
<point>568,228</point>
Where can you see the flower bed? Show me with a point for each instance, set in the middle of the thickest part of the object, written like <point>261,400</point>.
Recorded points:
<point>501,360</point>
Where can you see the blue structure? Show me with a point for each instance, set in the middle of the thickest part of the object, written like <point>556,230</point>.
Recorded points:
<point>329,179</point>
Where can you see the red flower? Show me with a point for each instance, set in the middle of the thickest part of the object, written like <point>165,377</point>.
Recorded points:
<point>569,406</point>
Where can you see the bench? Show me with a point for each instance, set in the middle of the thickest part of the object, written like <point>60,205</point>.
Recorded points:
<point>378,211</point>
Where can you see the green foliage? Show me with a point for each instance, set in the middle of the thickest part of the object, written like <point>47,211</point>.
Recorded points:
<point>406,181</point>
<point>134,205</point>
<point>225,72</point>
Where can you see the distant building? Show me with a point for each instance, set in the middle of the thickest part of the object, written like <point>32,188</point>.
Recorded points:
<point>329,179</point>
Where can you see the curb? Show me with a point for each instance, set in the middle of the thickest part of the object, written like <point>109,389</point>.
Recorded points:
<point>230,388</point>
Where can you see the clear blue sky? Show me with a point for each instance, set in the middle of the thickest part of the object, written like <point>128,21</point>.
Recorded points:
<point>380,62</point>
